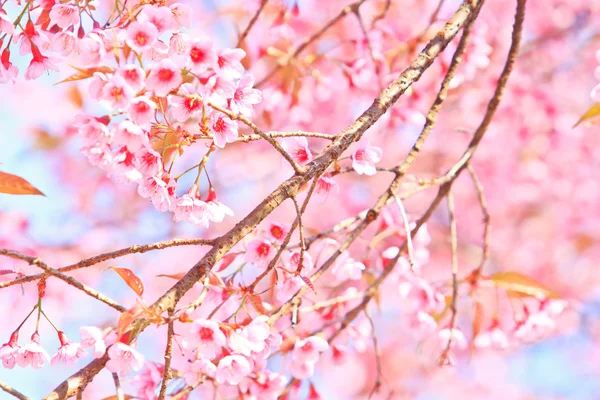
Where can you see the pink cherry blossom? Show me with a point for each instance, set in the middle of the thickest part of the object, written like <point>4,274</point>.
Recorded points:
<point>160,192</point>
<point>493,337</point>
<point>131,136</point>
<point>32,354</point>
<point>365,157</point>
<point>308,350</point>
<point>277,231</point>
<point>141,36</point>
<point>186,104</point>
<point>123,359</point>
<point>148,380</point>
<point>197,369</point>
<point>297,147</point>
<point>93,337</point>
<point>64,15</point>
<point>267,385</point>
<point>417,294</point>
<point>182,14</point>
<point>232,369</point>
<point>9,352</point>
<point>229,62</point>
<point>245,96</point>
<point>6,25</point>
<point>259,252</point>
<point>147,161</point>
<point>68,352</point>
<point>64,43</point>
<point>202,55</point>
<point>133,75</point>
<point>250,339</point>
<point>141,111</point>
<point>164,77</point>
<point>223,129</point>
<point>347,268</point>
<point>301,370</point>
<point>116,93</point>
<point>207,337</point>
<point>8,72</point>
<point>39,64</point>
<point>91,49</point>
<point>326,185</point>
<point>459,340</point>
<point>160,17</point>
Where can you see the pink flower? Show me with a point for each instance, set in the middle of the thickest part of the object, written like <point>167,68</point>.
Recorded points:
<point>422,324</point>
<point>277,231</point>
<point>308,350</point>
<point>365,157</point>
<point>33,354</point>
<point>158,191</point>
<point>216,211</point>
<point>418,295</point>
<point>141,111</point>
<point>259,252</point>
<point>297,147</point>
<point>148,162</point>
<point>93,337</point>
<point>116,93</point>
<point>68,352</point>
<point>458,338</point>
<point>190,208</point>
<point>250,339</point>
<point>91,49</point>
<point>141,36</point>
<point>9,352</point>
<point>160,17</point>
<point>245,97</point>
<point>38,64</point>
<point>228,62</point>
<point>359,74</point>
<point>8,72</point>
<point>164,77</point>
<point>326,185</point>
<point>6,25</point>
<point>493,337</point>
<point>207,336</point>
<point>267,385</point>
<point>302,370</point>
<point>199,368</point>
<point>287,285</point>
<point>202,55</point>
<point>131,136</point>
<point>292,258</point>
<point>123,359</point>
<point>347,268</point>
<point>133,75</point>
<point>148,380</point>
<point>31,37</point>
<point>182,14</point>
<point>64,43</point>
<point>186,104</point>
<point>223,129</point>
<point>64,15</point>
<point>232,369</point>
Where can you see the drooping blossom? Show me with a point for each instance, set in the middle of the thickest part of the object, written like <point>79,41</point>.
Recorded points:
<point>39,64</point>
<point>297,147</point>
<point>68,352</point>
<point>94,338</point>
<point>32,354</point>
<point>9,352</point>
<point>232,369</point>
<point>123,359</point>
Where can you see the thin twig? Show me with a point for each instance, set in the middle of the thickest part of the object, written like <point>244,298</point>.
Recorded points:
<point>382,14</point>
<point>168,350</point>
<point>486,220</point>
<point>88,262</point>
<point>445,357</point>
<point>377,352</point>
<point>253,20</point>
<point>301,234</point>
<point>411,258</point>
<point>13,392</point>
<point>369,46</point>
<point>67,279</point>
<point>119,389</point>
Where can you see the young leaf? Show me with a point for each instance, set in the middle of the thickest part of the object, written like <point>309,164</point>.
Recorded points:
<point>84,73</point>
<point>592,112</point>
<point>309,283</point>
<point>172,276</point>
<point>518,284</point>
<point>130,279</point>
<point>257,303</point>
<point>12,184</point>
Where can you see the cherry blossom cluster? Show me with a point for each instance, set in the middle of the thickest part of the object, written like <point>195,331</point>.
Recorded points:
<point>158,110</point>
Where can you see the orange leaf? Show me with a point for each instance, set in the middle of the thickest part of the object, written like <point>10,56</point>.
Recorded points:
<point>215,280</point>
<point>257,303</point>
<point>172,276</point>
<point>115,397</point>
<point>74,96</point>
<point>130,279</point>
<point>309,283</point>
<point>592,112</point>
<point>12,184</point>
<point>226,261</point>
<point>84,73</point>
<point>518,284</point>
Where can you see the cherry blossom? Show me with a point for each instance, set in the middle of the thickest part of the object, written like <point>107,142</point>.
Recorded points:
<point>365,157</point>
<point>223,129</point>
<point>163,77</point>
<point>259,252</point>
<point>206,336</point>
<point>232,369</point>
<point>297,147</point>
<point>141,36</point>
<point>123,359</point>
<point>68,352</point>
<point>93,337</point>
<point>9,352</point>
<point>32,354</point>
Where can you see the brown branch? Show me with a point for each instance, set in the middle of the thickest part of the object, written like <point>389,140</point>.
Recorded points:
<point>445,357</point>
<point>291,186</point>
<point>77,382</point>
<point>67,279</point>
<point>168,350</point>
<point>118,388</point>
<point>88,262</point>
<point>13,392</point>
<point>253,20</point>
<point>301,234</point>
<point>382,14</point>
